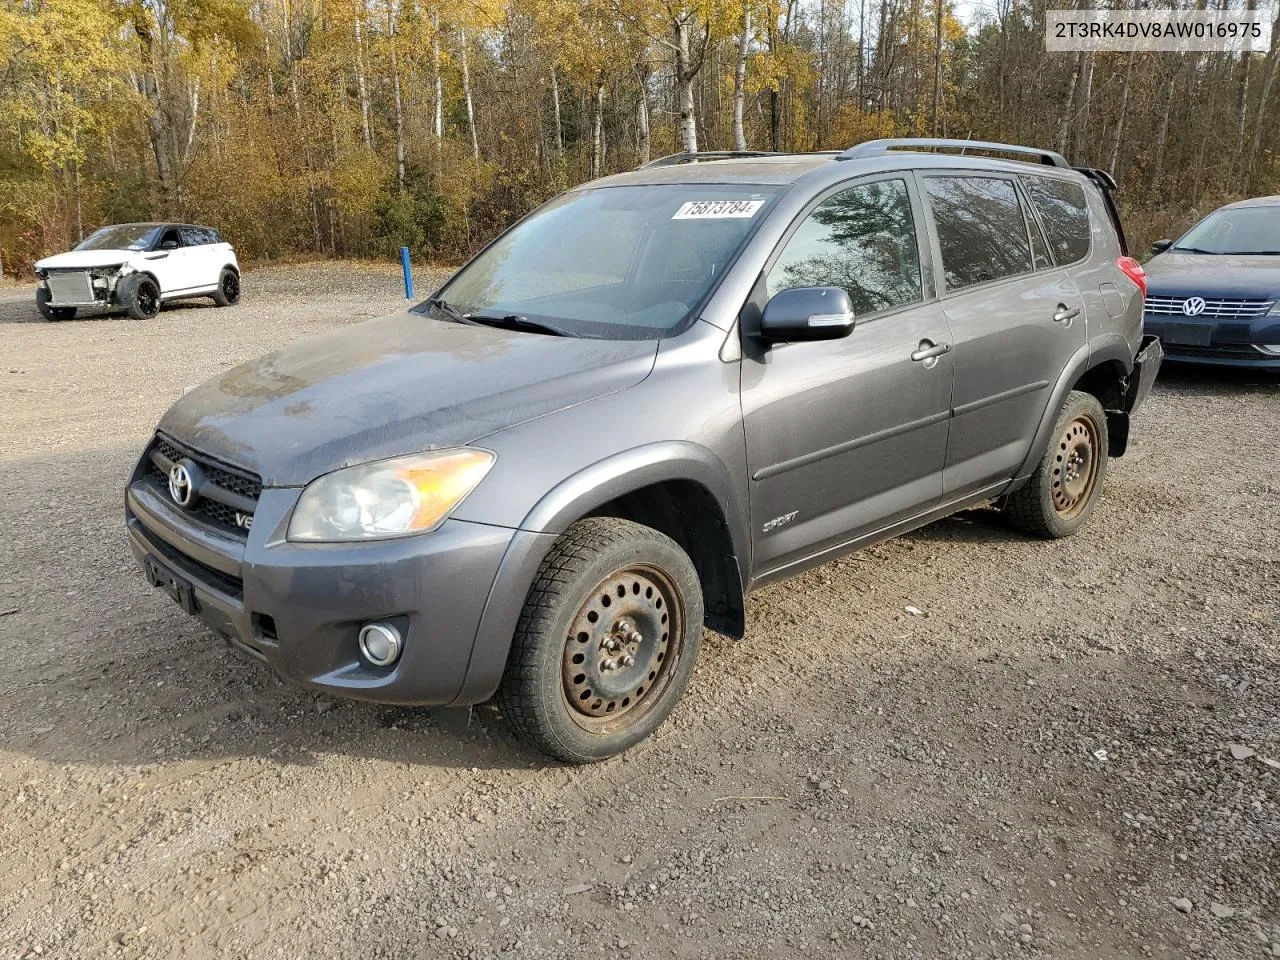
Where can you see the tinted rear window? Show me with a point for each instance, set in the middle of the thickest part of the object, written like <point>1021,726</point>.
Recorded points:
<point>981,229</point>
<point>1065,213</point>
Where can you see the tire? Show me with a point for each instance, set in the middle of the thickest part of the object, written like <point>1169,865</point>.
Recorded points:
<point>578,683</point>
<point>140,296</point>
<point>1062,493</point>
<point>228,292</point>
<point>52,314</point>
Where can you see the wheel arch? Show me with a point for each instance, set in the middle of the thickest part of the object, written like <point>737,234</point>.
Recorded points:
<point>661,484</point>
<point>128,282</point>
<point>1100,368</point>
<point>682,490</point>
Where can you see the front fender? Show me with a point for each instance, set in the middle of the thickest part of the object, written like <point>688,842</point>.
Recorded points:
<point>633,469</point>
<point>569,500</point>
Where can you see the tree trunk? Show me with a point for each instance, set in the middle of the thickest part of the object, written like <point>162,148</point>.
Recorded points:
<point>1242,102</point>
<point>1162,130</point>
<point>397,101</point>
<point>937,67</point>
<point>1082,140</point>
<point>684,81</point>
<point>643,136</point>
<point>438,117</point>
<point>1064,128</point>
<point>740,78</point>
<point>597,129</point>
<point>466,95</point>
<point>1124,109</point>
<point>555,109</point>
<point>363,86</point>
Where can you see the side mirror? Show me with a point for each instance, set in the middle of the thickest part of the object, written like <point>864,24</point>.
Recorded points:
<point>807,313</point>
<point>169,245</point>
<point>1160,246</point>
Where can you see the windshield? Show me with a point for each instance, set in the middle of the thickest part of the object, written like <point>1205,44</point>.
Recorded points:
<point>620,263</point>
<point>1241,231</point>
<point>125,236</point>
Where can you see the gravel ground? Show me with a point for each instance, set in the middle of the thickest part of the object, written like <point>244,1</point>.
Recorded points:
<point>962,743</point>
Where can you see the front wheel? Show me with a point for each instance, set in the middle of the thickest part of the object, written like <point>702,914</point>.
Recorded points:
<point>606,642</point>
<point>228,291</point>
<point>50,313</point>
<point>1063,491</point>
<point>139,295</point>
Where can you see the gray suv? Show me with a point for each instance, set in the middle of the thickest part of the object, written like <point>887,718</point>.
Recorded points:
<point>651,396</point>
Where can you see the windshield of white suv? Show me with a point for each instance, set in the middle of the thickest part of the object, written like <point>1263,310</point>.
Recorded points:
<point>620,263</point>
<point>1244,230</point>
<point>125,236</point>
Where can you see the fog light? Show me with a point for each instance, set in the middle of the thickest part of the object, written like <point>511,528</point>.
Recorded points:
<point>380,644</point>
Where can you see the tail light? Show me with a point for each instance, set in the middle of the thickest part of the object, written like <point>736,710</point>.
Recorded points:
<point>1133,270</point>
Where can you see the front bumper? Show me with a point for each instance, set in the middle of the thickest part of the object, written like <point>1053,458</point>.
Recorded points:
<point>1217,343</point>
<point>299,607</point>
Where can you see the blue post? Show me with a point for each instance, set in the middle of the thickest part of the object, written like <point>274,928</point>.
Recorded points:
<point>408,276</point>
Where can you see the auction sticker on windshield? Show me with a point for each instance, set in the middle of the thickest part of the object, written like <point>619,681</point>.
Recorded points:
<point>718,210</point>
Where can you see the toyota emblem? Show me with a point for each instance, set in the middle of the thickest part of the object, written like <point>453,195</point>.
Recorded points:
<point>1194,306</point>
<point>180,486</point>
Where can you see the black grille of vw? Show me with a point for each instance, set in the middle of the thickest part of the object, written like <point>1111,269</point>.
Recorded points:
<point>221,477</point>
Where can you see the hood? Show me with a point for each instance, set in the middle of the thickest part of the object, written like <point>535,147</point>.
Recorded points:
<point>392,386</point>
<point>1174,274</point>
<point>83,259</point>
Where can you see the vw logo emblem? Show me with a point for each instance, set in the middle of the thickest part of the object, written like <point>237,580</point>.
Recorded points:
<point>1193,307</point>
<point>181,488</point>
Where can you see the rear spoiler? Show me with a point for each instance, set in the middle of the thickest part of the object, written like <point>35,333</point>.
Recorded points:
<point>1106,185</point>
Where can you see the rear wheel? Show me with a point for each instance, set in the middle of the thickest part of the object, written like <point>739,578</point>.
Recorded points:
<point>228,291</point>
<point>606,642</point>
<point>1063,491</point>
<point>52,314</point>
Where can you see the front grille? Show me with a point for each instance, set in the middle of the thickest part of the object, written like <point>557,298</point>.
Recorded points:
<point>228,490</point>
<point>70,286</point>
<point>1213,309</point>
<point>1225,351</point>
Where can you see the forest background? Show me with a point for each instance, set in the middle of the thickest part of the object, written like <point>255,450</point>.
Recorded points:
<point>347,128</point>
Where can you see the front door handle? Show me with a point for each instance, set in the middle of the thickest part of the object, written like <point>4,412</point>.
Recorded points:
<point>928,350</point>
<point>1065,315</point>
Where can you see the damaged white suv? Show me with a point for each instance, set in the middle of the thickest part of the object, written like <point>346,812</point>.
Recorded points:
<point>137,266</point>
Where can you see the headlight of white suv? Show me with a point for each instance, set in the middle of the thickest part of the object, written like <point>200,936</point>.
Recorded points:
<point>388,498</point>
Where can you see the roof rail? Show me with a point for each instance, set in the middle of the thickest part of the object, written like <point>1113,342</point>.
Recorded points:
<point>877,148</point>
<point>676,159</point>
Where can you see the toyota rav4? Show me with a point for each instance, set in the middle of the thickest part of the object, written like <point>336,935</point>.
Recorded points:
<point>651,396</point>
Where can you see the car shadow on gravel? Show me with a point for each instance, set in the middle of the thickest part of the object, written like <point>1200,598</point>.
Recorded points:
<point>19,306</point>
<point>1188,378</point>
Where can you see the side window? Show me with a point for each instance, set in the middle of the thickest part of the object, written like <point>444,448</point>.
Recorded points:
<point>170,239</point>
<point>192,236</point>
<point>1065,212</point>
<point>862,239</point>
<point>981,229</point>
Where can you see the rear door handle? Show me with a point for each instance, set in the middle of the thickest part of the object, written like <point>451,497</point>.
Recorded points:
<point>1065,315</point>
<point>928,350</point>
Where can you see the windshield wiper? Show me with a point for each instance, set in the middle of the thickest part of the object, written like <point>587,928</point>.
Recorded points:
<point>443,306</point>
<point>514,321</point>
<point>1256,253</point>
<point>1212,253</point>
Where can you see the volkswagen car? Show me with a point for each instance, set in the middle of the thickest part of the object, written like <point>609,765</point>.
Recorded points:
<point>1213,295</point>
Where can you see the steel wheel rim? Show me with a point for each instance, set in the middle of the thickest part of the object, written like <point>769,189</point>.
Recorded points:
<point>610,678</point>
<point>231,287</point>
<point>1075,468</point>
<point>147,298</point>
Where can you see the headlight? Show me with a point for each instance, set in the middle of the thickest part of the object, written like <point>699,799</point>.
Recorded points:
<point>1275,309</point>
<point>389,498</point>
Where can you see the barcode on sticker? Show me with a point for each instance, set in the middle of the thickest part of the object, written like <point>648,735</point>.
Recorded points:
<point>718,210</point>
